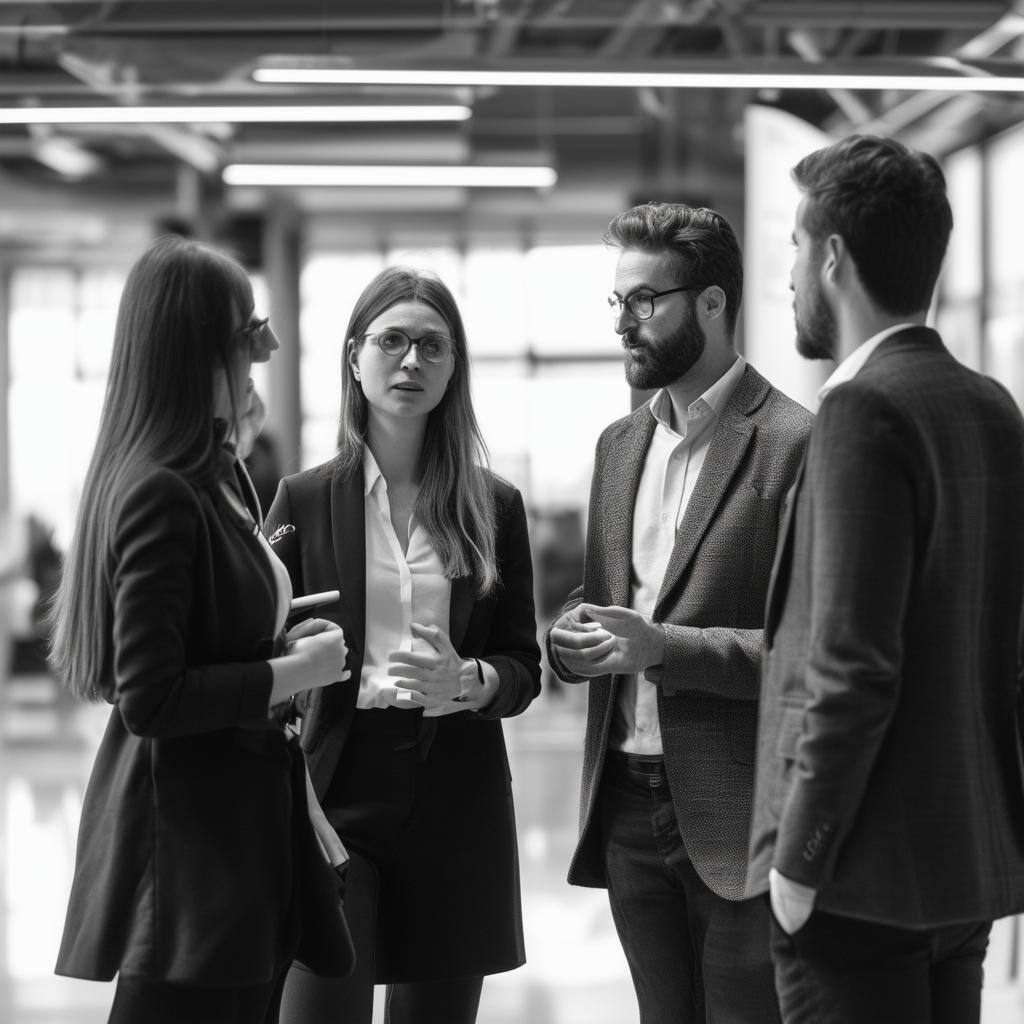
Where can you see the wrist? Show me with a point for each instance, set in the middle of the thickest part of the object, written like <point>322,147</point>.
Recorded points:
<point>655,645</point>
<point>469,681</point>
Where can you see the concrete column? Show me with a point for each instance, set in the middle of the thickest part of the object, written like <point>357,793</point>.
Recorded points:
<point>282,242</point>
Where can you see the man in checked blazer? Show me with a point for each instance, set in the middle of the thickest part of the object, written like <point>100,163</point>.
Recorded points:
<point>889,812</point>
<point>685,507</point>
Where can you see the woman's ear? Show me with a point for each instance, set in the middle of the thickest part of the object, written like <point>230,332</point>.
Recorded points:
<point>353,357</point>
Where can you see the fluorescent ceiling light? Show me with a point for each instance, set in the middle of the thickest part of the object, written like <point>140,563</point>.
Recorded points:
<point>403,175</point>
<point>201,114</point>
<point>641,79</point>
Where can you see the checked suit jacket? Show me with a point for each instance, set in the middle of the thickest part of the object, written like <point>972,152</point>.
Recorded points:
<point>887,760</point>
<point>712,607</point>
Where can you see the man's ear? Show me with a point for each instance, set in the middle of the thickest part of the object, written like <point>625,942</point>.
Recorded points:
<point>836,254</point>
<point>712,302</point>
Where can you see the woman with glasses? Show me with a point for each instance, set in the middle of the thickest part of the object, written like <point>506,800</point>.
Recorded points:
<point>197,871</point>
<point>431,555</point>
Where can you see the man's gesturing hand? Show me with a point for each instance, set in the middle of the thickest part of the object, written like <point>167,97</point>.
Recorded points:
<point>594,641</point>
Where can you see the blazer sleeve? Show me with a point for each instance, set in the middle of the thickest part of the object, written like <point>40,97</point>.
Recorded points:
<point>511,645</point>
<point>154,550</point>
<point>721,661</point>
<point>860,481</point>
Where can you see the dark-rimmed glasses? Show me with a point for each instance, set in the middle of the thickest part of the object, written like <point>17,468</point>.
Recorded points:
<point>641,303</point>
<point>434,348</point>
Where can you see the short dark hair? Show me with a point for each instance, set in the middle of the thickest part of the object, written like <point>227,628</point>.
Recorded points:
<point>888,203</point>
<point>701,241</point>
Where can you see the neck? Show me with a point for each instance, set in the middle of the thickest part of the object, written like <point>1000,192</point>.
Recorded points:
<point>858,324</point>
<point>713,363</point>
<point>397,445</point>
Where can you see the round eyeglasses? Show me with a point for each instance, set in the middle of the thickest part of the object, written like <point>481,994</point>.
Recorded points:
<point>641,304</point>
<point>434,348</point>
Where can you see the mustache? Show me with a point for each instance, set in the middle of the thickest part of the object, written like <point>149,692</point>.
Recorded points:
<point>630,341</point>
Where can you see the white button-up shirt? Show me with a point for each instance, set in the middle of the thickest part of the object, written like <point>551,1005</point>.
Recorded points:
<point>401,588</point>
<point>670,472</point>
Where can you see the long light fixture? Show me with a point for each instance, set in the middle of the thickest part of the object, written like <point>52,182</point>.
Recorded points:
<point>389,175</point>
<point>922,82</point>
<point>239,114</point>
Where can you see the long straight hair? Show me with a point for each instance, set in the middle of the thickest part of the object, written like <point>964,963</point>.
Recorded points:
<point>455,504</point>
<point>173,331</point>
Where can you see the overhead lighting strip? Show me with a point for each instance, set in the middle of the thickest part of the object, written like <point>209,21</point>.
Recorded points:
<point>641,79</point>
<point>237,114</point>
<point>388,175</point>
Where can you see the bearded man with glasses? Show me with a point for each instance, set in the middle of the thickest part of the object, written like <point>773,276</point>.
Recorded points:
<point>687,496</point>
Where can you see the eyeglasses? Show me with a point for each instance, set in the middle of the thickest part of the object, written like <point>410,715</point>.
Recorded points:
<point>434,348</point>
<point>641,304</point>
<point>253,329</point>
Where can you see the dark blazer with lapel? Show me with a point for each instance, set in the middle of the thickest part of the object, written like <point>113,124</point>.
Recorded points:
<point>887,765</point>
<point>184,869</point>
<point>712,606</point>
<point>317,527</point>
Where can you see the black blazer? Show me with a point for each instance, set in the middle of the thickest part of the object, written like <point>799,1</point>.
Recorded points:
<point>190,825</point>
<point>317,528</point>
<point>712,607</point>
<point>887,770</point>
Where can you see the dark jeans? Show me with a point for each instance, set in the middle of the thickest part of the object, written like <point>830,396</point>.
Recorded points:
<point>694,956</point>
<point>312,999</point>
<point>836,970</point>
<point>137,1000</point>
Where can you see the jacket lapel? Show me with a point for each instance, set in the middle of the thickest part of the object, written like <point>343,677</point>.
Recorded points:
<point>462,601</point>
<point>729,444</point>
<point>611,566</point>
<point>348,526</point>
<point>779,579</point>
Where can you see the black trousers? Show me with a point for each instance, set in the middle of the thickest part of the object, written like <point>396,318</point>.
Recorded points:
<point>137,1000</point>
<point>695,957</point>
<point>836,970</point>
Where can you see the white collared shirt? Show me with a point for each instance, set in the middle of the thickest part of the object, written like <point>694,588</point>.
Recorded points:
<point>851,365</point>
<point>670,473</point>
<point>401,588</point>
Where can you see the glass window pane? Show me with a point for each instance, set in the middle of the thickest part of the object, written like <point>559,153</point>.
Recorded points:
<point>565,299</point>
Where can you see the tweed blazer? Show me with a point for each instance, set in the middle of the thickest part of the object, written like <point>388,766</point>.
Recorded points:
<point>887,774</point>
<point>712,607</point>
<point>194,824</point>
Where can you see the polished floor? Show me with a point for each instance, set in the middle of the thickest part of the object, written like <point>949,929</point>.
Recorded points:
<point>575,972</point>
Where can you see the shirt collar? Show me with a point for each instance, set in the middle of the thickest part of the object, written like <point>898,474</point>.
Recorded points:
<point>715,399</point>
<point>371,471</point>
<point>851,365</point>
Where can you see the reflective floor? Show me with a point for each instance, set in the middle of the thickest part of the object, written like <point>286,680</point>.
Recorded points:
<point>575,972</point>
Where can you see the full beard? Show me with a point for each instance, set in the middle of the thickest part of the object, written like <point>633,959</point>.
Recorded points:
<point>816,331</point>
<point>660,363</point>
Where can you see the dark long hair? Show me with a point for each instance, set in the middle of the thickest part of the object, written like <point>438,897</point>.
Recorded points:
<point>173,331</point>
<point>455,503</point>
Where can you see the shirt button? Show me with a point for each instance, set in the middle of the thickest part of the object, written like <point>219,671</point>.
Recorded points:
<point>664,517</point>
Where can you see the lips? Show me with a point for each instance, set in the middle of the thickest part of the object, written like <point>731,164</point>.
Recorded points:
<point>406,385</point>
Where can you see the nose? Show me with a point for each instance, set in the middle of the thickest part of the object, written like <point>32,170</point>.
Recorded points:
<point>265,343</point>
<point>622,320</point>
<point>411,359</point>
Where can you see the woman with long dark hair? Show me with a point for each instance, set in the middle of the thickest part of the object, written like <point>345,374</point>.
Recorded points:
<point>171,608</point>
<point>431,555</point>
